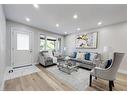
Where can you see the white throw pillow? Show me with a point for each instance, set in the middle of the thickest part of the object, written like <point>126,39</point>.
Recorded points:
<point>93,56</point>
<point>78,55</point>
<point>82,56</point>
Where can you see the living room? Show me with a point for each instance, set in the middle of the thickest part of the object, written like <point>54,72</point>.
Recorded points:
<point>47,50</point>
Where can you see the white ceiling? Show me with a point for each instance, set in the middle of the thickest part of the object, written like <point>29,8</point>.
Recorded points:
<point>48,15</point>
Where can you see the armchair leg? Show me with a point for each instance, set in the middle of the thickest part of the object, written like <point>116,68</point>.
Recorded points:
<point>110,85</point>
<point>90,82</point>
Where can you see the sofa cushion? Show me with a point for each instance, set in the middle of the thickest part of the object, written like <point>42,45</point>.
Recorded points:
<point>73,59</point>
<point>87,56</point>
<point>88,62</point>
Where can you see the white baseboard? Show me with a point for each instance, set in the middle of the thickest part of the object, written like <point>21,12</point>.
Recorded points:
<point>122,71</point>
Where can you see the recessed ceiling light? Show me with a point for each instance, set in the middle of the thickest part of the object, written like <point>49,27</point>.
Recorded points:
<point>57,25</point>
<point>36,5</point>
<point>65,32</point>
<point>99,23</point>
<point>27,19</point>
<point>75,16</point>
<point>78,29</point>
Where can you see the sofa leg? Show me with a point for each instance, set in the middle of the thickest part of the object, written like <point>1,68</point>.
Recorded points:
<point>110,85</point>
<point>90,82</point>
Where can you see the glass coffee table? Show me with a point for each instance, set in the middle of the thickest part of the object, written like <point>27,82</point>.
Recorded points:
<point>68,66</point>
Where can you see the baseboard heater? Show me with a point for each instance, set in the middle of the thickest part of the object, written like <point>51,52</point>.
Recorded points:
<point>22,66</point>
<point>10,71</point>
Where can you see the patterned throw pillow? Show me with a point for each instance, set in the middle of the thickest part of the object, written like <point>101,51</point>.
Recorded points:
<point>80,55</point>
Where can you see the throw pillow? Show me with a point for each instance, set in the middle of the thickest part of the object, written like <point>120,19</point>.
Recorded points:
<point>78,55</point>
<point>93,56</point>
<point>74,54</point>
<point>81,56</point>
<point>87,56</point>
<point>109,62</point>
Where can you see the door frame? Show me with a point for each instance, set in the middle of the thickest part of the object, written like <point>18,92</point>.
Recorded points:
<point>13,43</point>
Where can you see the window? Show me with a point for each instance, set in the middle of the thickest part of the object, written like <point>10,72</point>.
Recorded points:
<point>50,44</point>
<point>59,44</point>
<point>42,42</point>
<point>22,41</point>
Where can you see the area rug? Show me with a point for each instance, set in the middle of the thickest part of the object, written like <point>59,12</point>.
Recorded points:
<point>78,80</point>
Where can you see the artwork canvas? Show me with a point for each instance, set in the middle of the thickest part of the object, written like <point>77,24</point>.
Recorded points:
<point>87,40</point>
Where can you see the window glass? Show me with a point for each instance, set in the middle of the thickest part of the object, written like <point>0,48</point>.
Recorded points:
<point>50,44</point>
<point>59,44</point>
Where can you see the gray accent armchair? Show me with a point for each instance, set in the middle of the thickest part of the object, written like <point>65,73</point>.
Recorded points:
<point>108,74</point>
<point>45,61</point>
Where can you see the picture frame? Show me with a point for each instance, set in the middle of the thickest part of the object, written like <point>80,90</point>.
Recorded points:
<point>87,40</point>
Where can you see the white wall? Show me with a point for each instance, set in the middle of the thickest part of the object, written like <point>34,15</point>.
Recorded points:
<point>36,41</point>
<point>2,44</point>
<point>114,36</point>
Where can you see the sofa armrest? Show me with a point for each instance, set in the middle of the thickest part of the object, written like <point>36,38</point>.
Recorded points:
<point>41,59</point>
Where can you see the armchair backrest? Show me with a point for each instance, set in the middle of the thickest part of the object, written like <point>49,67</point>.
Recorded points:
<point>116,63</point>
<point>42,52</point>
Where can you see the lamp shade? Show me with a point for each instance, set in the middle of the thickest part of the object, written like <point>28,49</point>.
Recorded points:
<point>107,52</point>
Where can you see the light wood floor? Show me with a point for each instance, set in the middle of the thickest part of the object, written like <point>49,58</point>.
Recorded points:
<point>45,81</point>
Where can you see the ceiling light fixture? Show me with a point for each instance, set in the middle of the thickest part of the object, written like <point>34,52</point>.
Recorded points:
<point>75,16</point>
<point>57,25</point>
<point>99,23</point>
<point>78,29</point>
<point>36,5</point>
<point>27,19</point>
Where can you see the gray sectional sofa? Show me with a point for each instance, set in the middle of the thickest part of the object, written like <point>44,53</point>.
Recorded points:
<point>89,64</point>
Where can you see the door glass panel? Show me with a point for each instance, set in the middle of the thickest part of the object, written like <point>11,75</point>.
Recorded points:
<point>22,41</point>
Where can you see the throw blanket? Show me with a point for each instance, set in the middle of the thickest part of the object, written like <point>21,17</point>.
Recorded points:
<point>54,59</point>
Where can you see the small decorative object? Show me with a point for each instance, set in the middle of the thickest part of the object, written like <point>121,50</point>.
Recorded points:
<point>67,58</point>
<point>87,40</point>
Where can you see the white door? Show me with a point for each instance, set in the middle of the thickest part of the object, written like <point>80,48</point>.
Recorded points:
<point>22,48</point>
